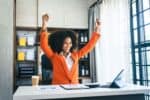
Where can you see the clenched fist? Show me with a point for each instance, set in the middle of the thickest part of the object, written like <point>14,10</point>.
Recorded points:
<point>97,26</point>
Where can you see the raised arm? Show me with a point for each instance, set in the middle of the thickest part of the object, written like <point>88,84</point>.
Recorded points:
<point>44,37</point>
<point>90,45</point>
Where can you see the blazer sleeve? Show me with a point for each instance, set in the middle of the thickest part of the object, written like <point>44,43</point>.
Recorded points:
<point>89,46</point>
<point>44,45</point>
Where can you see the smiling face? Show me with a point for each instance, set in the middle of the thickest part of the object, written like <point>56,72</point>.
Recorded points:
<point>67,44</point>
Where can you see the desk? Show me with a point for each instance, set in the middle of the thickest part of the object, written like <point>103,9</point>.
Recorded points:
<point>55,92</point>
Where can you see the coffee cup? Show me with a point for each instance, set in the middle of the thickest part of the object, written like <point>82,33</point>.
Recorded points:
<point>35,80</point>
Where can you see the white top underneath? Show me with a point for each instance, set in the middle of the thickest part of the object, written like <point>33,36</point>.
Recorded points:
<point>69,61</point>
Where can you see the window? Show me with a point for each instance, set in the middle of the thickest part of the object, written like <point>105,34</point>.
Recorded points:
<point>140,38</point>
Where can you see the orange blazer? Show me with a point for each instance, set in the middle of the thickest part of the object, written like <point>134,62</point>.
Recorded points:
<point>61,74</point>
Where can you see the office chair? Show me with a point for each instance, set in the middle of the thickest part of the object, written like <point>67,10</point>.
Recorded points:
<point>46,70</point>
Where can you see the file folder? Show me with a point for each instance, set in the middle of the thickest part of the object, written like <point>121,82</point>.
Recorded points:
<point>22,41</point>
<point>21,56</point>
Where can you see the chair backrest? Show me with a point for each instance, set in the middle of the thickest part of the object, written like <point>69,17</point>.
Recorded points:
<point>46,69</point>
<point>46,63</point>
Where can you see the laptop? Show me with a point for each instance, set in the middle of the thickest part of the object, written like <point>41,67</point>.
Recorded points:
<point>116,83</point>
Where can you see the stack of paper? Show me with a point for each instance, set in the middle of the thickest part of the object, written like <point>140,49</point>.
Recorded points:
<point>74,86</point>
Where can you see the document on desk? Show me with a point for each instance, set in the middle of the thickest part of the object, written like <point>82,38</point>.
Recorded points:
<point>74,86</point>
<point>49,87</point>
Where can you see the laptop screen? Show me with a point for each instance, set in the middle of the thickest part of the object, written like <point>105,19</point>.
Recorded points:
<point>117,82</point>
<point>118,77</point>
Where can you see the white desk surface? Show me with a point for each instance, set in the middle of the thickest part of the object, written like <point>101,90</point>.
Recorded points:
<point>55,91</point>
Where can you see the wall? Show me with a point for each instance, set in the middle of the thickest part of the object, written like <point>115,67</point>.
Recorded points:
<point>6,49</point>
<point>65,13</point>
<point>26,13</point>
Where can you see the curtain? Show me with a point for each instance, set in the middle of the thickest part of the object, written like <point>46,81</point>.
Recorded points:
<point>94,12</point>
<point>112,52</point>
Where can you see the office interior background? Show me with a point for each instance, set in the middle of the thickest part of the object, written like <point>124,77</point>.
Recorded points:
<point>124,43</point>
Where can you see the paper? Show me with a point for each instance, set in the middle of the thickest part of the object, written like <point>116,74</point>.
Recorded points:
<point>30,40</point>
<point>22,41</point>
<point>30,55</point>
<point>74,86</point>
<point>21,56</point>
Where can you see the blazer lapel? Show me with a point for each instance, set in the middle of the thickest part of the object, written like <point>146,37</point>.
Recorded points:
<point>65,67</point>
<point>69,73</point>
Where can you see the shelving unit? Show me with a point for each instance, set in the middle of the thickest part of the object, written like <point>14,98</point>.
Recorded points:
<point>84,62</point>
<point>26,56</point>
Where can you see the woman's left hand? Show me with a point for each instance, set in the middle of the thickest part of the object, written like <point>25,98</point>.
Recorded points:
<point>97,26</point>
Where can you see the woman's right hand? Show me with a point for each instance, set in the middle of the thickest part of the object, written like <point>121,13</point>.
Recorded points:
<point>45,19</point>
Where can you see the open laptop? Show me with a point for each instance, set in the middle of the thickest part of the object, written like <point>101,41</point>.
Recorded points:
<point>116,83</point>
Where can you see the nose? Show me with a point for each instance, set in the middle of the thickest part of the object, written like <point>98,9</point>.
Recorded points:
<point>68,45</point>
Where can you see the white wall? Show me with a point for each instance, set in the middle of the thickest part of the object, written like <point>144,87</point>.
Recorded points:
<point>26,13</point>
<point>6,49</point>
<point>65,13</point>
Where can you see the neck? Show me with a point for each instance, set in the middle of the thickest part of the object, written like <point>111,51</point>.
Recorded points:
<point>65,53</point>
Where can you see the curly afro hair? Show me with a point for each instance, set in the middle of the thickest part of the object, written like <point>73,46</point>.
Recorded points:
<point>56,40</point>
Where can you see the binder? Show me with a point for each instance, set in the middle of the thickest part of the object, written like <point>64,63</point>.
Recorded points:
<point>21,56</point>
<point>22,41</point>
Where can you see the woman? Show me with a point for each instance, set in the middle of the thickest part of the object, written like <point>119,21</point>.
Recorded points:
<point>65,62</point>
